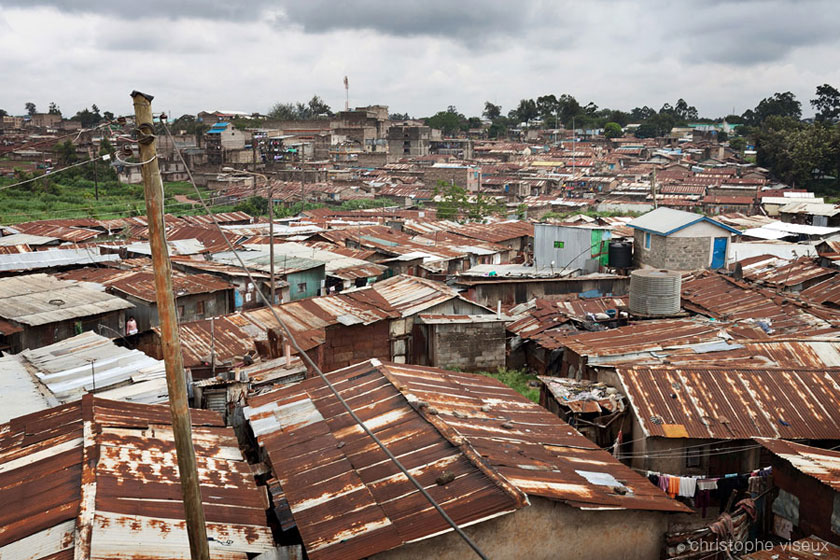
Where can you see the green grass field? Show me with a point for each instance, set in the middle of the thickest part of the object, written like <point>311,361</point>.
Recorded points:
<point>69,196</point>
<point>518,381</point>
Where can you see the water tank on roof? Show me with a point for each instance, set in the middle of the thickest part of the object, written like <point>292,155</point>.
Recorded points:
<point>655,292</point>
<point>620,254</point>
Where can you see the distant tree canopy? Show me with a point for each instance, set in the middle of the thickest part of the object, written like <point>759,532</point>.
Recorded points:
<point>54,109</point>
<point>826,103</point>
<point>612,130</point>
<point>315,108</point>
<point>456,203</point>
<point>491,111</point>
<point>88,117</point>
<point>449,121</point>
<point>30,108</point>
<point>3,113</point>
<point>399,117</point>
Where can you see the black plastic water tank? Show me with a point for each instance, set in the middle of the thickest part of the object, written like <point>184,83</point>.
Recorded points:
<point>620,254</point>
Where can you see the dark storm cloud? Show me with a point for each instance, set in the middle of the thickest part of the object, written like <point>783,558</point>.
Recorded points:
<point>749,32</point>
<point>459,20</point>
<point>203,9</point>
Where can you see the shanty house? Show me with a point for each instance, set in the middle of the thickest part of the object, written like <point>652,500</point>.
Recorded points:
<point>464,342</point>
<point>197,296</point>
<point>38,309</point>
<point>499,465</point>
<point>808,479</point>
<point>693,421</point>
<point>98,479</point>
<point>306,278</point>
<point>672,239</point>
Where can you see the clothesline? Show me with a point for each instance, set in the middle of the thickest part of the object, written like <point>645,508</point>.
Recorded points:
<point>700,487</point>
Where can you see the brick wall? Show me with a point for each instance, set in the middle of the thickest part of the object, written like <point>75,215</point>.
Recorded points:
<point>672,253</point>
<point>468,346</point>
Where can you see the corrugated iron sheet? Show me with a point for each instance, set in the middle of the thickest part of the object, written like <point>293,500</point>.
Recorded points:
<point>98,479</point>
<point>39,299</point>
<point>809,548</point>
<point>224,338</point>
<point>822,464</point>
<point>350,502</point>
<point>826,292</point>
<point>735,404</point>
<point>723,298</point>
<point>141,284</point>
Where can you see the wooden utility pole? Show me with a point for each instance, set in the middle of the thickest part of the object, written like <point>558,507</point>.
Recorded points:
<point>170,339</point>
<point>271,237</point>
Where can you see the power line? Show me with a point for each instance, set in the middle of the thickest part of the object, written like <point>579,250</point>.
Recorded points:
<point>314,366</point>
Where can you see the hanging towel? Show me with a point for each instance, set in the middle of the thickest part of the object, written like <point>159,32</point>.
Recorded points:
<point>688,486</point>
<point>663,482</point>
<point>707,484</point>
<point>673,486</point>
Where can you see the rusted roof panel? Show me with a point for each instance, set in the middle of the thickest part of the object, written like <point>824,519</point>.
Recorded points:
<point>723,298</point>
<point>822,464</point>
<point>142,285</point>
<point>221,337</point>
<point>101,477</point>
<point>636,338</point>
<point>735,403</point>
<point>72,234</point>
<point>810,548</point>
<point>826,292</point>
<point>782,273</point>
<point>347,499</point>
<point>220,217</point>
<point>350,502</point>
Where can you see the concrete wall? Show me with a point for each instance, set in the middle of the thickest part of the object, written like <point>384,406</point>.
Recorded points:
<point>671,253</point>
<point>548,530</point>
<point>466,346</point>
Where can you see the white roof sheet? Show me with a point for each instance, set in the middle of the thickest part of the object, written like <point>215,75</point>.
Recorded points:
<point>25,239</point>
<point>52,258</point>
<point>799,228</point>
<point>39,299</point>
<point>19,392</point>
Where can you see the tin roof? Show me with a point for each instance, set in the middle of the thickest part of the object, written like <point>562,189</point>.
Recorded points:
<point>336,264</point>
<point>228,342</point>
<point>809,548</point>
<point>781,273</point>
<point>637,338</point>
<point>734,403</point>
<point>723,298</point>
<point>26,239</point>
<point>665,221</point>
<point>99,479</point>
<point>65,367</point>
<point>822,464</point>
<point>350,502</point>
<point>19,392</point>
<point>141,284</point>
<point>411,294</point>
<point>39,299</point>
<point>826,292</point>
<point>51,258</point>
<point>46,229</point>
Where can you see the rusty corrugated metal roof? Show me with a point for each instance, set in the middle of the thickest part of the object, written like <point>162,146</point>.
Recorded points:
<point>721,297</point>
<point>99,479</point>
<point>350,502</point>
<point>227,341</point>
<point>549,313</point>
<point>781,273</point>
<point>822,464</point>
<point>636,338</point>
<point>735,403</point>
<point>809,548</point>
<point>141,284</point>
<point>826,292</point>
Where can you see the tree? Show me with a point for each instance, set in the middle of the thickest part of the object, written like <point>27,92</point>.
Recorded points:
<point>738,144</point>
<point>641,114</point>
<point>65,152</point>
<point>30,108</point>
<point>87,117</point>
<point>449,122</point>
<point>399,117</point>
<point>54,109</point>
<point>779,104</point>
<point>526,111</point>
<point>569,108</point>
<point>612,130</point>
<point>684,111</point>
<point>547,107</point>
<point>3,113</point>
<point>492,111</point>
<point>456,203</point>
<point>283,112</point>
<point>108,115</point>
<point>317,108</point>
<point>827,103</point>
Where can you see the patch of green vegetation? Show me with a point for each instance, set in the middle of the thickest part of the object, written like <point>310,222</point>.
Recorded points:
<point>72,194</point>
<point>518,380</point>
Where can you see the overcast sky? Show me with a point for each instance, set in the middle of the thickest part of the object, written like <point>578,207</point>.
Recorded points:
<point>416,56</point>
